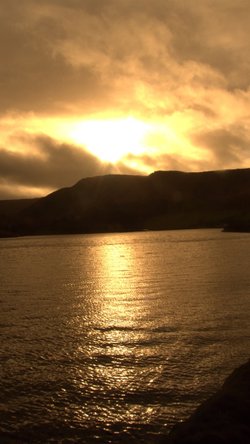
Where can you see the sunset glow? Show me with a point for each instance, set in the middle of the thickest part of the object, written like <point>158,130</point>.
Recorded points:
<point>110,140</point>
<point>124,220</point>
<point>121,87</point>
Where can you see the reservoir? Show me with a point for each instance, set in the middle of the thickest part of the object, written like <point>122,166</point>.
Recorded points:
<point>113,338</point>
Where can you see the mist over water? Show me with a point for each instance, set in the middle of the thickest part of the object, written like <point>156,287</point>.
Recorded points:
<point>111,338</point>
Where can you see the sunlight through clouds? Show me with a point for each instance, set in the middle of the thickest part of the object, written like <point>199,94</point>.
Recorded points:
<point>110,140</point>
<point>139,85</point>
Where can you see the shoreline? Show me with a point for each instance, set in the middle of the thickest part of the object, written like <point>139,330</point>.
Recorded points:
<point>222,419</point>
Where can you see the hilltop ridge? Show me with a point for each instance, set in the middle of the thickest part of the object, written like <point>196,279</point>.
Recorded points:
<point>162,200</point>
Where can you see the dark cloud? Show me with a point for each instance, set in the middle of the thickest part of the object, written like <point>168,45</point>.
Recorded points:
<point>63,54</point>
<point>167,162</point>
<point>229,147</point>
<point>52,165</point>
<point>12,190</point>
<point>181,62</point>
<point>216,34</point>
<point>34,76</point>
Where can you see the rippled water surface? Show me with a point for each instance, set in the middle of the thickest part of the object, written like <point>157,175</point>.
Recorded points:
<point>112,338</point>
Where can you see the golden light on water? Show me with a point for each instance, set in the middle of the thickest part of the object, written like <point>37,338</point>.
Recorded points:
<point>117,261</point>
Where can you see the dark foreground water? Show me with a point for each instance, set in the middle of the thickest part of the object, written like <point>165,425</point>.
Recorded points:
<point>113,338</point>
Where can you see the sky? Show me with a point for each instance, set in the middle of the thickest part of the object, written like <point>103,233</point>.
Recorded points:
<point>90,87</point>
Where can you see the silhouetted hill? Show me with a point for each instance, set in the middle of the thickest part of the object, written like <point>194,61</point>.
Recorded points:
<point>162,200</point>
<point>9,210</point>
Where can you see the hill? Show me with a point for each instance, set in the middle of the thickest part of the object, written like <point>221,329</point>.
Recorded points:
<point>9,213</point>
<point>162,200</point>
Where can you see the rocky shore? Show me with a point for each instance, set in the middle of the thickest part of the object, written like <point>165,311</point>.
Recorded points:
<point>222,419</point>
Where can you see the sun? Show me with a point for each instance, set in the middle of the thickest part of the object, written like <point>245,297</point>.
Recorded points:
<point>111,139</point>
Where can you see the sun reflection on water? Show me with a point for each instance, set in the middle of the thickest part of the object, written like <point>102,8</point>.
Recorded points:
<point>119,366</point>
<point>114,338</point>
<point>117,265</point>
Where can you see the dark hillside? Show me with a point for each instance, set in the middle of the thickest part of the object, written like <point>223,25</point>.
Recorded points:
<point>9,210</point>
<point>162,200</point>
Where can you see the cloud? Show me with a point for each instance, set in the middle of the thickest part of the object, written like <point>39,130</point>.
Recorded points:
<point>148,56</point>
<point>63,55</point>
<point>13,190</point>
<point>35,77</point>
<point>182,63</point>
<point>228,147</point>
<point>219,38</point>
<point>52,165</point>
<point>169,162</point>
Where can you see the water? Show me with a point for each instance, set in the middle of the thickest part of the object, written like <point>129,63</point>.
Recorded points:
<point>113,338</point>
